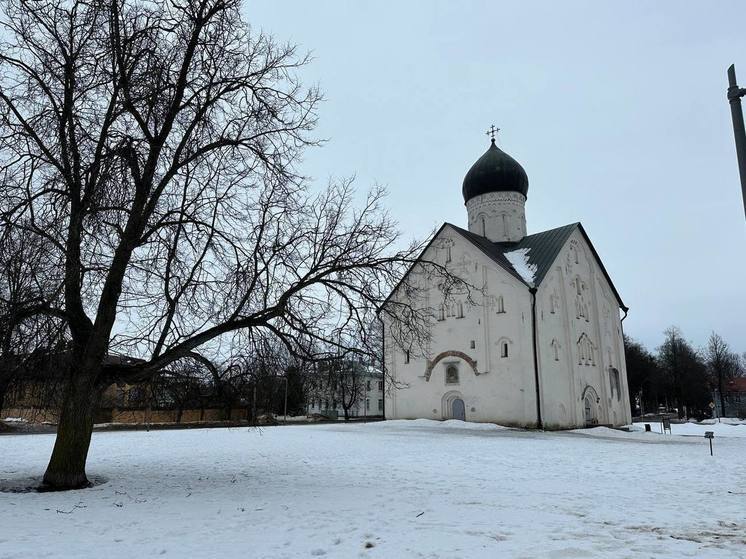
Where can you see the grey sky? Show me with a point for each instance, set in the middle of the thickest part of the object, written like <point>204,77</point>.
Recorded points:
<point>617,111</point>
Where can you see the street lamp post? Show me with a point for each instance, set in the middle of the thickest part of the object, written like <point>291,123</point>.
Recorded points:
<point>734,98</point>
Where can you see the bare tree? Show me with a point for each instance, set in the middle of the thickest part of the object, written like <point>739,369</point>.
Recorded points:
<point>30,328</point>
<point>351,385</point>
<point>686,374</point>
<point>154,146</point>
<point>339,380</point>
<point>722,364</point>
<point>182,385</point>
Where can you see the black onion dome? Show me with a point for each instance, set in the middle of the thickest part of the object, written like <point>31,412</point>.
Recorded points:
<point>495,171</point>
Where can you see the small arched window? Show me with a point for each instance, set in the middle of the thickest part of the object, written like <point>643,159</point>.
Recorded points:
<point>553,303</point>
<point>460,310</point>
<point>442,312</point>
<point>504,349</point>
<point>615,383</point>
<point>500,304</point>
<point>448,254</point>
<point>451,374</point>
<point>484,227</point>
<point>555,349</point>
<point>574,254</point>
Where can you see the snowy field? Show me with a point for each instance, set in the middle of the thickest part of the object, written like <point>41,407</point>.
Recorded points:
<point>388,490</point>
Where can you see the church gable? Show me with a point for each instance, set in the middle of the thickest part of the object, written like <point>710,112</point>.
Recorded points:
<point>450,247</point>
<point>576,246</point>
<point>489,249</point>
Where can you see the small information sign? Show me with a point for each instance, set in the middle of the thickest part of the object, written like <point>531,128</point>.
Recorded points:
<point>709,435</point>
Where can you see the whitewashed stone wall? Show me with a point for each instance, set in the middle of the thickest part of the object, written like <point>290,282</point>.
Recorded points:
<point>580,341</point>
<point>470,336</point>
<point>493,388</point>
<point>499,216</point>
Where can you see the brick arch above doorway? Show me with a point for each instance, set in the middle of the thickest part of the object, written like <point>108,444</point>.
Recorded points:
<point>460,354</point>
<point>590,391</point>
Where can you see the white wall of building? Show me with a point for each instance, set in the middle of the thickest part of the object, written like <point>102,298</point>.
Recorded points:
<point>370,404</point>
<point>471,336</point>
<point>502,388</point>
<point>580,341</point>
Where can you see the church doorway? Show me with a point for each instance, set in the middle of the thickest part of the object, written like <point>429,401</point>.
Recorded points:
<point>590,411</point>
<point>458,409</point>
<point>590,406</point>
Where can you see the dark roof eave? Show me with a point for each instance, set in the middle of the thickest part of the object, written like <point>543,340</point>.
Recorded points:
<point>495,251</point>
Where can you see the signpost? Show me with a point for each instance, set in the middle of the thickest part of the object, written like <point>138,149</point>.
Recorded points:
<point>710,435</point>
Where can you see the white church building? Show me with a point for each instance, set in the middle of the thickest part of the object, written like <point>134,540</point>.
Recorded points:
<point>537,343</point>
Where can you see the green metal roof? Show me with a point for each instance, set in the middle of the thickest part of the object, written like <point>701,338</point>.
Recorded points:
<point>544,248</point>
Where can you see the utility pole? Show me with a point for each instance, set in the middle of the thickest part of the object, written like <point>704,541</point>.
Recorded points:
<point>734,98</point>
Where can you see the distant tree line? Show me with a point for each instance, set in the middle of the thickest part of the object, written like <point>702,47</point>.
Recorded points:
<point>266,381</point>
<point>678,376</point>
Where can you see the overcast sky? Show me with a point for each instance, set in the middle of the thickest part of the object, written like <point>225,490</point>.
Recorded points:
<point>617,111</point>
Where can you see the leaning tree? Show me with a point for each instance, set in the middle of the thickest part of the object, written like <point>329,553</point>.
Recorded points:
<point>154,144</point>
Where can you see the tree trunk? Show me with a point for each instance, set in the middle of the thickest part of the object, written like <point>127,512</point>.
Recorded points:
<point>720,393</point>
<point>3,391</point>
<point>66,469</point>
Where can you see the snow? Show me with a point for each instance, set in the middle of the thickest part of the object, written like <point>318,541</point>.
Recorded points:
<point>389,489</point>
<point>697,429</point>
<point>728,420</point>
<point>432,424</point>
<point>519,260</point>
<point>634,434</point>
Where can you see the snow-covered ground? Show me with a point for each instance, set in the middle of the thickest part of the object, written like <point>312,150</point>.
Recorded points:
<point>727,428</point>
<point>392,490</point>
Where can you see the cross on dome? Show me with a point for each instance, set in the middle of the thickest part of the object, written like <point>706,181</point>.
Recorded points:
<point>492,131</point>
